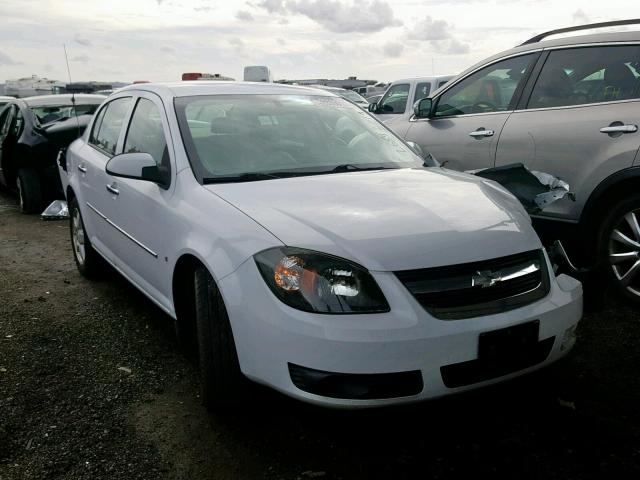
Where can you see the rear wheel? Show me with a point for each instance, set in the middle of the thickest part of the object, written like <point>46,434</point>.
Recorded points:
<point>89,262</point>
<point>29,191</point>
<point>619,248</point>
<point>222,383</point>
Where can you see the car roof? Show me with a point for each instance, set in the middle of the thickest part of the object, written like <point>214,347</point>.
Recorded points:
<point>423,79</point>
<point>199,87</point>
<point>64,99</point>
<point>565,41</point>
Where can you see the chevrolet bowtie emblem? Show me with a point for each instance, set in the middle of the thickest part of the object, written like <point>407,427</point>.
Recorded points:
<point>485,279</point>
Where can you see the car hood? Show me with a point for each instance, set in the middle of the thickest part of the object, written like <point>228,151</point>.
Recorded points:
<point>389,220</point>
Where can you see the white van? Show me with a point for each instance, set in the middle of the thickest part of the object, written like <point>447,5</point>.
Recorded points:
<point>257,74</point>
<point>397,102</point>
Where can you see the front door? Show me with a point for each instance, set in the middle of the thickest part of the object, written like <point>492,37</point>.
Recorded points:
<point>141,208</point>
<point>468,116</point>
<point>580,122</point>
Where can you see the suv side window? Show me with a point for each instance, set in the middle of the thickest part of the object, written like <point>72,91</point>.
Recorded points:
<point>395,100</point>
<point>108,124</point>
<point>490,89</point>
<point>579,76</point>
<point>422,91</point>
<point>146,134</point>
<point>5,121</point>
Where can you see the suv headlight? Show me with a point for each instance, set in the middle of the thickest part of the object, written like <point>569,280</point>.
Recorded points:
<point>320,283</point>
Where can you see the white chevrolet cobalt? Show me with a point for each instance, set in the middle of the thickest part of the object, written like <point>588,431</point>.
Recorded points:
<point>299,243</point>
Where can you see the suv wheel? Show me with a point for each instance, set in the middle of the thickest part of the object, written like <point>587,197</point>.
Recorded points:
<point>620,248</point>
<point>29,192</point>
<point>89,262</point>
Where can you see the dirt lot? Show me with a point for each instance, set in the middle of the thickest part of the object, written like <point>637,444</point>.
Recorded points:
<point>93,385</point>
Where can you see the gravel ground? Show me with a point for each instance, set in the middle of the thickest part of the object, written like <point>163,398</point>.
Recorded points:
<point>93,385</point>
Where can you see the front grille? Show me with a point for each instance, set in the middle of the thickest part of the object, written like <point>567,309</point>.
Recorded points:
<point>479,288</point>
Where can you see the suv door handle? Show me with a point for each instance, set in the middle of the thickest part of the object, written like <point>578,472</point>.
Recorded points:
<point>113,189</point>
<point>618,127</point>
<point>481,132</point>
<point>82,168</point>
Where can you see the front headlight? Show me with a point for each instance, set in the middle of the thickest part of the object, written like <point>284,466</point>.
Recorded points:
<point>320,283</point>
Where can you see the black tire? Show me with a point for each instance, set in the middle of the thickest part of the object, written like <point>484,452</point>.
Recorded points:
<point>90,264</point>
<point>221,381</point>
<point>611,248</point>
<point>29,191</point>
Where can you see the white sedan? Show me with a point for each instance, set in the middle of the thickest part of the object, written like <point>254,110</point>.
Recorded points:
<point>298,243</point>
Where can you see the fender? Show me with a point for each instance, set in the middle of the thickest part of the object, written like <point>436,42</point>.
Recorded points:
<point>604,187</point>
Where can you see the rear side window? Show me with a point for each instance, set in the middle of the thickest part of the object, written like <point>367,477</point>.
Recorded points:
<point>108,124</point>
<point>587,75</point>
<point>146,134</point>
<point>422,91</point>
<point>395,100</point>
<point>490,89</point>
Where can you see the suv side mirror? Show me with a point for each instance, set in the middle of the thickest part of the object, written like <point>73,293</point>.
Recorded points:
<point>423,107</point>
<point>139,166</point>
<point>373,107</point>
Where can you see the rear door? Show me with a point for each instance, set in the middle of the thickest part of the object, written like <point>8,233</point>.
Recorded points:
<point>469,115</point>
<point>578,120</point>
<point>141,208</point>
<point>97,203</point>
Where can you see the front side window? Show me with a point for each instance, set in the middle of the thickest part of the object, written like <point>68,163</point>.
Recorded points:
<point>395,100</point>
<point>422,91</point>
<point>587,75</point>
<point>285,135</point>
<point>490,89</point>
<point>146,133</point>
<point>108,124</point>
<point>5,121</point>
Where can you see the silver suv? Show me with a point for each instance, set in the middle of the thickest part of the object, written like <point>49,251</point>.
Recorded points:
<point>569,107</point>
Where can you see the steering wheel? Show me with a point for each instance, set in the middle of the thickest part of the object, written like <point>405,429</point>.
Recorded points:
<point>483,107</point>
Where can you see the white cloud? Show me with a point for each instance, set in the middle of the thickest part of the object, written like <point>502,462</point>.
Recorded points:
<point>244,16</point>
<point>439,34</point>
<point>365,16</point>
<point>80,58</point>
<point>392,49</point>
<point>81,40</point>
<point>6,60</point>
<point>580,18</point>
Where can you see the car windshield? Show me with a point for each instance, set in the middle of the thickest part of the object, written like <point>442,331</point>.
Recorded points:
<point>350,95</point>
<point>52,113</point>
<point>256,137</point>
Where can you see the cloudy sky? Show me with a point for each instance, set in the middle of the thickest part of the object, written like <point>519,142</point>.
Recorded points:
<point>376,39</point>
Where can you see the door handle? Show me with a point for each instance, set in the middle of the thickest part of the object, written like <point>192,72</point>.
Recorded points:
<point>481,132</point>
<point>618,127</point>
<point>112,189</point>
<point>82,168</point>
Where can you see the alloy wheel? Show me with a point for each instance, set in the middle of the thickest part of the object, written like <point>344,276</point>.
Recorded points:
<point>77,236</point>
<point>624,252</point>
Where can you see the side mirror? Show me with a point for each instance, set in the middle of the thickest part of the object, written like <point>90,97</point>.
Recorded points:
<point>373,107</point>
<point>138,166</point>
<point>423,107</point>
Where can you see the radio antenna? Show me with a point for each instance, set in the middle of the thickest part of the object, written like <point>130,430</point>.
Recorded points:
<point>73,94</point>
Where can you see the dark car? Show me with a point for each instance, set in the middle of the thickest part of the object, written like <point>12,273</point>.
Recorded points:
<point>32,132</point>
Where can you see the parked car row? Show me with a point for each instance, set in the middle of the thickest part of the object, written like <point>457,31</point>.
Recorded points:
<point>299,242</point>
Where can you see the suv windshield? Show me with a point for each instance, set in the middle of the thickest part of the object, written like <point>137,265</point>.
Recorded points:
<point>53,113</point>
<point>257,137</point>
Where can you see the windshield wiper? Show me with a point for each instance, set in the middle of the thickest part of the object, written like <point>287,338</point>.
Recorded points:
<point>243,177</point>
<point>349,167</point>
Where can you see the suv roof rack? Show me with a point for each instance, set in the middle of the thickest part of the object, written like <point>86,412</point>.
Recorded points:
<point>589,26</point>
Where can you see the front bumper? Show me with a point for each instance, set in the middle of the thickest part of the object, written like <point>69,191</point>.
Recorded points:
<point>271,337</point>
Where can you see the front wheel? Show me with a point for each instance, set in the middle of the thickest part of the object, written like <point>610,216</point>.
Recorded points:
<point>619,248</point>
<point>89,262</point>
<point>221,381</point>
